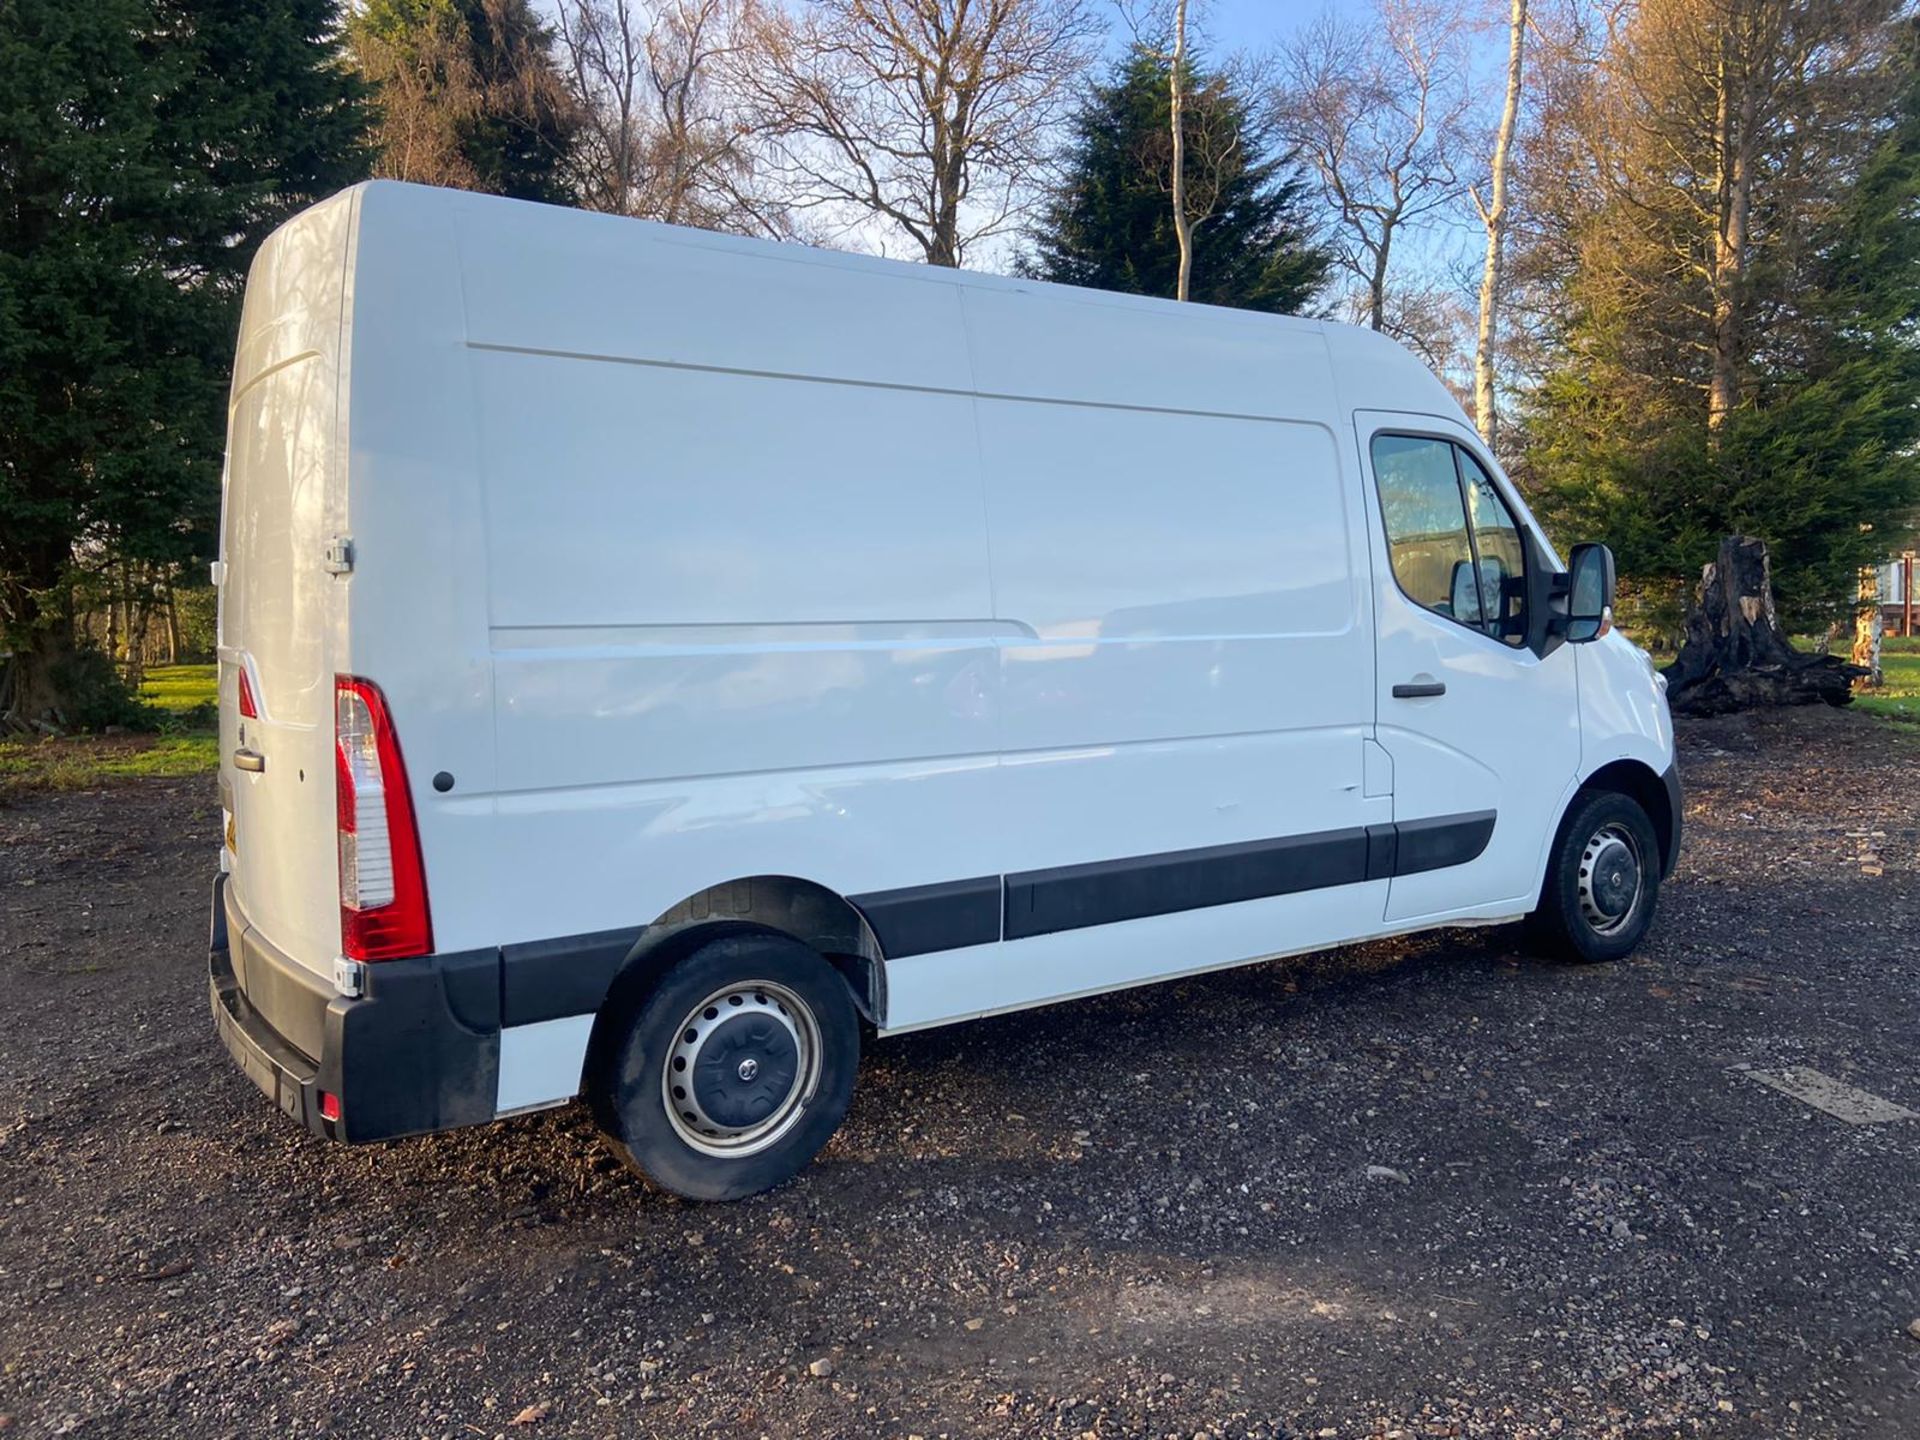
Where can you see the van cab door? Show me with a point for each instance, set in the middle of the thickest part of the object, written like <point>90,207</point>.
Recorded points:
<point>1483,733</point>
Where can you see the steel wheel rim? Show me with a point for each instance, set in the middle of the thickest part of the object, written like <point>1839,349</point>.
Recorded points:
<point>1610,864</point>
<point>706,1042</point>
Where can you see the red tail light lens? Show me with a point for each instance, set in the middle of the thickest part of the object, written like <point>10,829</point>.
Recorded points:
<point>383,883</point>
<point>248,709</point>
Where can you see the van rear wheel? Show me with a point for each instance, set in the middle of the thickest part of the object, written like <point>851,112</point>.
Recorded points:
<point>1602,881</point>
<point>735,1070</point>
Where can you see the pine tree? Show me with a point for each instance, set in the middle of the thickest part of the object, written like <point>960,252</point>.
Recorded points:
<point>147,147</point>
<point>1831,444</point>
<point>1111,225</point>
<point>1631,436</point>
<point>470,95</point>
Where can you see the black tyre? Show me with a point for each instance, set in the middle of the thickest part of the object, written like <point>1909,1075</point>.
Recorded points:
<point>734,1070</point>
<point>1602,881</point>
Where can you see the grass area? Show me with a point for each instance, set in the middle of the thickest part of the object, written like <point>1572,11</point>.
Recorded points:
<point>184,698</point>
<point>184,692</point>
<point>1899,699</point>
<point>84,764</point>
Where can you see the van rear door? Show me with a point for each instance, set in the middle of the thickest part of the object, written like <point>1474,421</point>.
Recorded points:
<point>281,612</point>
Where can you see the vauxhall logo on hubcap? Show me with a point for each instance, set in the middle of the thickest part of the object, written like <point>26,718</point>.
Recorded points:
<point>749,1068</point>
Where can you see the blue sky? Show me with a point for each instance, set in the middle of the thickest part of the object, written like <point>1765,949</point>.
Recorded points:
<point>1254,24</point>
<point>1258,25</point>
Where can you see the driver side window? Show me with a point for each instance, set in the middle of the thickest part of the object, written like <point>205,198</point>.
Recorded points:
<point>1453,543</point>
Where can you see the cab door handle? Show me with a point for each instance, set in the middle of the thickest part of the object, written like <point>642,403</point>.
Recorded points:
<point>251,760</point>
<point>1424,690</point>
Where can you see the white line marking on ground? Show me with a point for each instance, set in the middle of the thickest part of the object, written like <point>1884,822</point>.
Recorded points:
<point>1824,1093</point>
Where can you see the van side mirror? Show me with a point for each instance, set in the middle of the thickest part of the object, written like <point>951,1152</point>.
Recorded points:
<point>1479,603</point>
<point>1589,592</point>
<point>1464,594</point>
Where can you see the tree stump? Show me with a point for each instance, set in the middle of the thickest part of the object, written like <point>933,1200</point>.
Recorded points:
<point>1736,657</point>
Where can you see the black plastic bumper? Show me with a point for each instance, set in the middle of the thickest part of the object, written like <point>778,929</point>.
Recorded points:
<point>1676,821</point>
<point>419,1051</point>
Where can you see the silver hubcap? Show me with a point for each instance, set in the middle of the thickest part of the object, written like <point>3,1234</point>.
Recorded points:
<point>1610,879</point>
<point>743,1067</point>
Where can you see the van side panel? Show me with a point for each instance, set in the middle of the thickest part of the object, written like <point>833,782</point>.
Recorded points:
<point>740,614</point>
<point>626,290</point>
<point>1189,669</point>
<point>418,591</point>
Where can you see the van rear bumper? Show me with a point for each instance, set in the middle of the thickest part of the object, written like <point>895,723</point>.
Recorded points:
<point>419,1051</point>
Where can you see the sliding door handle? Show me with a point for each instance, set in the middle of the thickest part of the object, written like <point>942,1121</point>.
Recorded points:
<point>1425,690</point>
<point>251,760</point>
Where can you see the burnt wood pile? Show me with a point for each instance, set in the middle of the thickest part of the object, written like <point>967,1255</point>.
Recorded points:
<point>1736,657</point>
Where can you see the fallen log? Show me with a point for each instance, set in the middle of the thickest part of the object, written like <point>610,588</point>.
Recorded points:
<point>1736,657</point>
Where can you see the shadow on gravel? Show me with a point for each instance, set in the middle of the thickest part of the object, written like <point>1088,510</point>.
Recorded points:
<point>1427,1185</point>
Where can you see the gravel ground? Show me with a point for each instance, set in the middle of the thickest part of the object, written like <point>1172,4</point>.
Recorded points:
<point>1424,1188</point>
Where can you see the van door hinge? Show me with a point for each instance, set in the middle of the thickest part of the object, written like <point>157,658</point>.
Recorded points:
<point>339,559</point>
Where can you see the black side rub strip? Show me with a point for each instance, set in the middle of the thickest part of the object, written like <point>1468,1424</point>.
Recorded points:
<point>1440,842</point>
<point>922,919</point>
<point>1072,897</point>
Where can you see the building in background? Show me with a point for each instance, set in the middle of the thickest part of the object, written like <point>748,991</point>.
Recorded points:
<point>1897,600</point>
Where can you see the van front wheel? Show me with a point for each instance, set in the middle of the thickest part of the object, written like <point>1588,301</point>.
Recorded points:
<point>1602,881</point>
<point>735,1070</point>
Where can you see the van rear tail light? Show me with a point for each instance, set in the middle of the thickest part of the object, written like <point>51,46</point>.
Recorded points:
<point>383,884</point>
<point>248,709</point>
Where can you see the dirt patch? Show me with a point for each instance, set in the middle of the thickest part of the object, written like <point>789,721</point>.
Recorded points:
<point>1430,1186</point>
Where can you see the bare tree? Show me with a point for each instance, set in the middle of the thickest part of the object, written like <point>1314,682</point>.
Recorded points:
<point>1208,138</point>
<point>932,117</point>
<point>1177,87</point>
<point>470,95</point>
<point>665,136</point>
<point>1493,215</point>
<point>428,91</point>
<point>1380,114</point>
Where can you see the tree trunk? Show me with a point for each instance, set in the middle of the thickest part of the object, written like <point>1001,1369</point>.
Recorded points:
<point>1734,118</point>
<point>1736,657</point>
<point>32,698</point>
<point>1496,221</point>
<point>139,626</point>
<point>173,624</point>
<point>1867,626</point>
<point>113,625</point>
<point>1377,282</point>
<point>37,626</point>
<point>1182,226</point>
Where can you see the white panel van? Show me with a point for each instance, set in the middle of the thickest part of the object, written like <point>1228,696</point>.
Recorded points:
<point>650,657</point>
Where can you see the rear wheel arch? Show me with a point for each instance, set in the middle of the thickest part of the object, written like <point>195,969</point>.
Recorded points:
<point>726,1072</point>
<point>784,905</point>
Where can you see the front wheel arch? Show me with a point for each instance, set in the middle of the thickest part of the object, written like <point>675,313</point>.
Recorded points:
<point>1567,922</point>
<point>1654,793</point>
